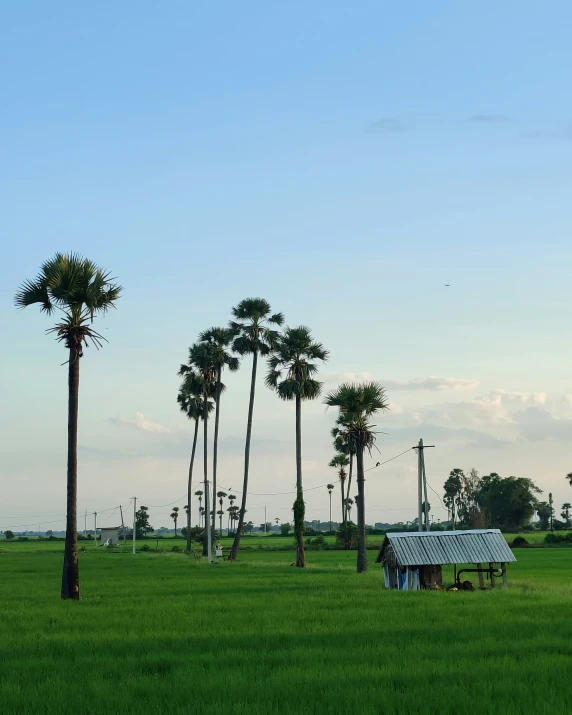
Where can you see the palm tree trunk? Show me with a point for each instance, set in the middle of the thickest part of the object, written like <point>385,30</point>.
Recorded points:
<point>70,576</point>
<point>234,551</point>
<point>362,552</point>
<point>348,541</point>
<point>299,507</point>
<point>215,444</point>
<point>207,519</point>
<point>189,485</point>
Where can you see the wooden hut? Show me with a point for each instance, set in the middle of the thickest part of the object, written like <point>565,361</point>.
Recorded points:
<point>414,560</point>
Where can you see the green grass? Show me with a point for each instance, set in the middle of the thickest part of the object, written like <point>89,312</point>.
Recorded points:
<point>159,633</point>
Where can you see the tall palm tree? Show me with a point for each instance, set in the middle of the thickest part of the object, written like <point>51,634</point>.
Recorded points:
<point>174,517</point>
<point>340,461</point>
<point>357,404</point>
<point>291,372</point>
<point>80,290</point>
<point>252,325</point>
<point>219,339</point>
<point>191,402</point>
<point>202,360</point>
<point>221,496</point>
<point>569,478</point>
<point>330,488</point>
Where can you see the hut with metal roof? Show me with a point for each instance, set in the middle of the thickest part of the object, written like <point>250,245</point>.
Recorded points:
<point>415,560</point>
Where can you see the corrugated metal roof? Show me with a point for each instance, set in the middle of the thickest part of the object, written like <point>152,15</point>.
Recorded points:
<point>448,547</point>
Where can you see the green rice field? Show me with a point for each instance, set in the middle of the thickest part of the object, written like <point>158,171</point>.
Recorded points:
<point>163,633</point>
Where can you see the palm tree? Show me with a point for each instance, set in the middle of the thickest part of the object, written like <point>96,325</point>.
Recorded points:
<point>174,517</point>
<point>566,513</point>
<point>330,488</point>
<point>349,504</point>
<point>221,496</point>
<point>357,404</point>
<point>80,290</point>
<point>343,443</point>
<point>202,360</point>
<point>291,370</point>
<point>191,402</point>
<point>254,336</point>
<point>199,494</point>
<point>231,499</point>
<point>219,339</point>
<point>569,478</point>
<point>340,461</point>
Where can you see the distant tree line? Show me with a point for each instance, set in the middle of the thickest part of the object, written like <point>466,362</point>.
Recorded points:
<point>491,501</point>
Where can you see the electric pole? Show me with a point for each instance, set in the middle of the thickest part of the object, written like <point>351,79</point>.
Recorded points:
<point>134,521</point>
<point>122,525</point>
<point>207,521</point>
<point>265,520</point>
<point>95,528</point>
<point>422,486</point>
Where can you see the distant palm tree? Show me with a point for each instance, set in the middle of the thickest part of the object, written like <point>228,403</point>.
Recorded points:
<point>199,494</point>
<point>80,290</point>
<point>219,339</point>
<point>357,404</point>
<point>569,478</point>
<point>566,513</point>
<point>231,499</point>
<point>252,325</point>
<point>191,402</point>
<point>330,488</point>
<point>343,443</point>
<point>221,496</point>
<point>291,372</point>
<point>202,361</point>
<point>340,461</point>
<point>174,517</point>
<point>349,505</point>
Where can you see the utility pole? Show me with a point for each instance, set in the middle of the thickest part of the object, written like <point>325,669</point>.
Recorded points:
<point>207,521</point>
<point>85,524</point>
<point>95,528</point>
<point>122,525</point>
<point>422,486</point>
<point>134,521</point>
<point>265,520</point>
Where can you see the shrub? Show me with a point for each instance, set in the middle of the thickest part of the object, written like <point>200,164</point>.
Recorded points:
<point>519,543</point>
<point>177,549</point>
<point>145,547</point>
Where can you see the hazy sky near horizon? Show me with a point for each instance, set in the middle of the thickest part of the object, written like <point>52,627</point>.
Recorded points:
<point>344,161</point>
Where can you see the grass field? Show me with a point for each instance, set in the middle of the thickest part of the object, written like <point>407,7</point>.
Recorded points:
<point>248,542</point>
<point>160,633</point>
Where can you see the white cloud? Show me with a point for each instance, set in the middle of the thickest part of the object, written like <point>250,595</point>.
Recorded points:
<point>440,384</point>
<point>537,425</point>
<point>520,398</point>
<point>339,377</point>
<point>142,423</point>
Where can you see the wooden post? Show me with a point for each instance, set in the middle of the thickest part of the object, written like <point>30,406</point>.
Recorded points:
<point>481,579</point>
<point>503,568</point>
<point>493,581</point>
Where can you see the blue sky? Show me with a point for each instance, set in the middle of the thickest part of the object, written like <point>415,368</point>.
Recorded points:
<point>342,161</point>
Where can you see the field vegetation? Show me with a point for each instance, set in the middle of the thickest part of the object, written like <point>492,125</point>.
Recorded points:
<point>164,633</point>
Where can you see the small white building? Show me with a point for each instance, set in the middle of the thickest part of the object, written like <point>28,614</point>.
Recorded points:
<point>109,535</point>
